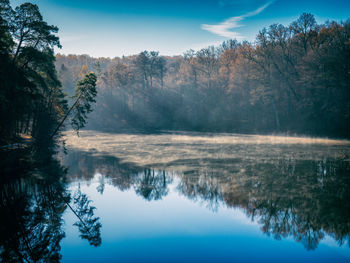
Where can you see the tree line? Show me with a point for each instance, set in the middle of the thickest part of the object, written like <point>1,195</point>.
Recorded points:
<point>293,78</point>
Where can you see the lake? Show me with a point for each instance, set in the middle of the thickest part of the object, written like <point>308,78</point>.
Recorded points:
<point>189,197</point>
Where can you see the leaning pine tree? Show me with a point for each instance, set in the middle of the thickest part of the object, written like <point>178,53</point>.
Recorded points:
<point>85,93</point>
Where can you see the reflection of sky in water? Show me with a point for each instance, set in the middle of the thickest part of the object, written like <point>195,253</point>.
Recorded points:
<point>185,225</point>
<point>177,229</point>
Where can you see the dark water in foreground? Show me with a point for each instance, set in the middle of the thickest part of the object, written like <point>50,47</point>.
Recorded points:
<point>183,197</point>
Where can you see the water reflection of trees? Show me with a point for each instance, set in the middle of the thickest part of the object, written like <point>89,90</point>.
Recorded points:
<point>148,183</point>
<point>88,224</point>
<point>151,184</point>
<point>305,199</point>
<point>33,200</point>
<point>201,187</point>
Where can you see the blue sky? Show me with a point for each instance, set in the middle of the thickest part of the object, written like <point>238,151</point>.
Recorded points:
<point>124,27</point>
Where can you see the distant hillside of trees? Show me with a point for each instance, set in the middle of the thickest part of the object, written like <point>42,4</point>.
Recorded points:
<point>292,79</point>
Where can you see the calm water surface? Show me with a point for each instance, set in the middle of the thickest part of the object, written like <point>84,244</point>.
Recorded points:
<point>200,198</point>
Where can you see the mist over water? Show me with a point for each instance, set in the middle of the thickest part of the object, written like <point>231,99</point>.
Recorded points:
<point>169,151</point>
<point>167,161</point>
<point>284,198</point>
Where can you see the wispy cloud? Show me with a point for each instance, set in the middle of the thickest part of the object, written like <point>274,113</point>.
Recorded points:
<point>224,29</point>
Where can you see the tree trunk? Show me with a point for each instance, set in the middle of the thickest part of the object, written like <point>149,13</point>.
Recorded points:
<point>64,118</point>
<point>276,115</point>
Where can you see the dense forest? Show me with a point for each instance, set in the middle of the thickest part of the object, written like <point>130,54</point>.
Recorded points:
<point>293,79</point>
<point>32,101</point>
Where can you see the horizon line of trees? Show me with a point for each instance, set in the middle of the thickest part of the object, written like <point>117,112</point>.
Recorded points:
<point>293,79</point>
